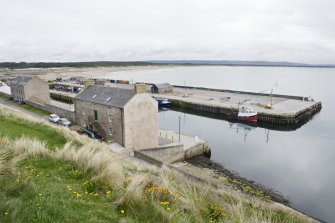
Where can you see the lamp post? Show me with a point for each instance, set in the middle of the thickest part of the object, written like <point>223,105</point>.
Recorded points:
<point>179,127</point>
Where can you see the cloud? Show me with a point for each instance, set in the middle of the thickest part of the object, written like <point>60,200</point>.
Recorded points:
<point>39,30</point>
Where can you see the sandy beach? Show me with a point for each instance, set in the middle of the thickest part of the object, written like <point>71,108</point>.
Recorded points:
<point>50,74</point>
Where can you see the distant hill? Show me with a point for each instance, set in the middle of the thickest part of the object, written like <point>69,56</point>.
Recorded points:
<point>238,63</point>
<point>24,65</point>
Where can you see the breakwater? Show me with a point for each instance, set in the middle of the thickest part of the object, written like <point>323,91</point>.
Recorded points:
<point>286,109</point>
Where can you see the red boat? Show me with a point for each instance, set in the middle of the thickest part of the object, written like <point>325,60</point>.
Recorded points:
<point>247,115</point>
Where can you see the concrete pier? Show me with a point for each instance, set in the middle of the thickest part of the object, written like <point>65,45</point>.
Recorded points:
<point>285,109</point>
<point>172,150</point>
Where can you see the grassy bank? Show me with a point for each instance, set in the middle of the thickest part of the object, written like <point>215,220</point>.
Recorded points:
<point>87,182</point>
<point>16,128</point>
<point>24,106</point>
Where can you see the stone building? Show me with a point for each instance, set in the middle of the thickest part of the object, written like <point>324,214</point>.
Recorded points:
<point>120,115</point>
<point>31,88</point>
<point>161,88</point>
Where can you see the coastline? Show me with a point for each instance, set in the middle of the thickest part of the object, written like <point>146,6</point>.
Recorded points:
<point>243,185</point>
<point>237,182</point>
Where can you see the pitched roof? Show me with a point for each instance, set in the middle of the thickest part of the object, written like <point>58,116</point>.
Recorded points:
<point>115,97</point>
<point>127,86</point>
<point>163,85</point>
<point>123,86</point>
<point>20,80</point>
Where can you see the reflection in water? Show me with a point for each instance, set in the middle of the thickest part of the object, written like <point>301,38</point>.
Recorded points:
<point>267,133</point>
<point>246,129</point>
<point>240,127</point>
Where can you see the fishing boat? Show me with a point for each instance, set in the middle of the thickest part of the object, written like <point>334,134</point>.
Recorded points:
<point>163,102</point>
<point>247,115</point>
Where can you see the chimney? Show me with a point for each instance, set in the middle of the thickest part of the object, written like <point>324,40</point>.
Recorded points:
<point>140,88</point>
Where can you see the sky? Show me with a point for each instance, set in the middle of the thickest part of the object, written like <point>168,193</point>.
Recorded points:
<point>117,30</point>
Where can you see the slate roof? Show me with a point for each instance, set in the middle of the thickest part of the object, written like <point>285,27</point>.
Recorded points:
<point>163,85</point>
<point>119,97</point>
<point>20,80</point>
<point>127,86</point>
<point>123,86</point>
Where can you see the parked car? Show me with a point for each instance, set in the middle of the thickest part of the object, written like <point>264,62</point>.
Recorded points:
<point>90,133</point>
<point>54,118</point>
<point>64,122</point>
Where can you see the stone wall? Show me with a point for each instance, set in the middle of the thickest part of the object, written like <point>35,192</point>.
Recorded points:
<point>70,115</point>
<point>85,117</point>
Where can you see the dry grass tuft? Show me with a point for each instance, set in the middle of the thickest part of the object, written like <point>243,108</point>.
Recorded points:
<point>29,147</point>
<point>106,167</point>
<point>133,191</point>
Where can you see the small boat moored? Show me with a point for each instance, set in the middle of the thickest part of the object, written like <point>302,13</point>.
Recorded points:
<point>163,102</point>
<point>247,115</point>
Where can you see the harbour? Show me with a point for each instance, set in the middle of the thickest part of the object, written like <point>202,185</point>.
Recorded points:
<point>293,158</point>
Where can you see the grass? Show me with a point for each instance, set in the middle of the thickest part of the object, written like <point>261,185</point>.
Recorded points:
<point>4,97</point>
<point>89,183</point>
<point>25,106</point>
<point>33,109</point>
<point>16,128</point>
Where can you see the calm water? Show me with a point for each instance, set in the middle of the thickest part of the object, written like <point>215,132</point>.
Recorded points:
<point>300,164</point>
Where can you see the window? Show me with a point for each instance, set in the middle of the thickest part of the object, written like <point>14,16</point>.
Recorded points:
<point>95,114</point>
<point>109,117</point>
<point>110,131</point>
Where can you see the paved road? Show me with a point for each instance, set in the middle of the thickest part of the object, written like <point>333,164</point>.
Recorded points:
<point>16,107</point>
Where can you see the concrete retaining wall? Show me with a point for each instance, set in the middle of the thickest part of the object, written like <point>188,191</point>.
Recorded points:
<point>70,115</point>
<point>173,154</point>
<point>166,154</point>
<point>196,150</point>
<point>148,158</point>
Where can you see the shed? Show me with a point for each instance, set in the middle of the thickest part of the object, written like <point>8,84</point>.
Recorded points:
<point>161,88</point>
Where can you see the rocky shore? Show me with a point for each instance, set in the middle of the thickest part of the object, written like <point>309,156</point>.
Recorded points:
<point>238,182</point>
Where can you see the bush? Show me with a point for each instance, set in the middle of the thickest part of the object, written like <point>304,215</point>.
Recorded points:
<point>62,98</point>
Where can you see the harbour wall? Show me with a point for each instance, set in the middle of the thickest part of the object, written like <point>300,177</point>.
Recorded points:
<point>283,119</point>
<point>221,111</point>
<point>301,98</point>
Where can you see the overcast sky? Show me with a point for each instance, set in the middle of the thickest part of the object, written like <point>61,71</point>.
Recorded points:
<point>93,30</point>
